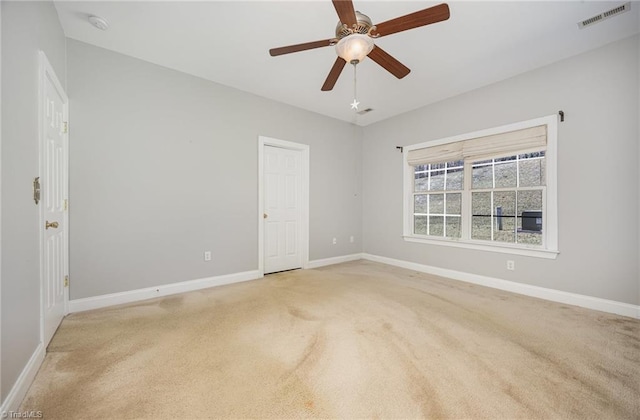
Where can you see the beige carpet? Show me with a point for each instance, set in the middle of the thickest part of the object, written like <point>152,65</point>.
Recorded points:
<point>356,340</point>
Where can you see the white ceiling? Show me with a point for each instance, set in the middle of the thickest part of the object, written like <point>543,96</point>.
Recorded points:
<point>228,42</point>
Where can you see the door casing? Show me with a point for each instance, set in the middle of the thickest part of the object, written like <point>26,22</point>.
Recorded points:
<point>304,202</point>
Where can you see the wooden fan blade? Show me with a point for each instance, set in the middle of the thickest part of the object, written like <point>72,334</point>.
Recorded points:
<point>389,63</point>
<point>346,14</point>
<point>332,78</point>
<point>299,47</point>
<point>413,20</point>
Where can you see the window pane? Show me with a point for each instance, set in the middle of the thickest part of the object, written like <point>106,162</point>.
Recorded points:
<point>436,225</point>
<point>529,200</point>
<point>420,225</point>
<point>531,155</point>
<point>437,181</point>
<point>481,228</point>
<point>505,159</point>
<point>420,181</point>
<point>454,229</point>
<point>506,174</point>
<point>531,238</point>
<point>420,203</point>
<point>454,203</point>
<point>481,204</point>
<point>482,177</point>
<point>481,219</point>
<point>436,204</point>
<point>530,220</point>
<point>454,179</point>
<point>532,172</point>
<point>504,227</point>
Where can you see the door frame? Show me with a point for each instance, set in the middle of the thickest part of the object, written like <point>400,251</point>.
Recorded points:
<point>1,402</point>
<point>304,199</point>
<point>46,71</point>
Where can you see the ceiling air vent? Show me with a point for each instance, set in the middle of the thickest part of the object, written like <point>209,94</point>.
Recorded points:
<point>365,111</point>
<point>602,16</point>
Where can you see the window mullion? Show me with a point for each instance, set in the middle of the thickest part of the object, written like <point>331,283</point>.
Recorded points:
<point>413,204</point>
<point>444,197</point>
<point>492,217</point>
<point>466,201</point>
<point>544,217</point>
<point>444,212</point>
<point>429,211</point>
<point>493,174</point>
<point>515,220</point>
<point>517,171</point>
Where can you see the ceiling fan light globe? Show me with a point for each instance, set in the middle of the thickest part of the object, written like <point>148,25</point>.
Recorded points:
<point>354,47</point>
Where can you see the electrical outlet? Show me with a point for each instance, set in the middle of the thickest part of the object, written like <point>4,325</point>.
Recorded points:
<point>335,241</point>
<point>351,239</point>
<point>511,265</point>
<point>207,255</point>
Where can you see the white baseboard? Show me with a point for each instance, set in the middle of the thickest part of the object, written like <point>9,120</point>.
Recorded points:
<point>334,260</point>
<point>605,305</point>
<point>598,304</point>
<point>22,384</point>
<point>102,301</point>
<point>96,302</point>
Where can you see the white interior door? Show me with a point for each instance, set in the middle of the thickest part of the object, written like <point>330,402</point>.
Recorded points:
<point>53,179</point>
<point>282,209</point>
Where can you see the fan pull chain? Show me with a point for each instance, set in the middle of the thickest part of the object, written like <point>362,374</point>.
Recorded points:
<point>355,103</point>
<point>355,83</point>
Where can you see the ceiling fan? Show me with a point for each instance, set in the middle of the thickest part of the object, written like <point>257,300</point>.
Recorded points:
<point>355,34</point>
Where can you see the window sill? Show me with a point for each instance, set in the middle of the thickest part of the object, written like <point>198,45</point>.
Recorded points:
<point>528,252</point>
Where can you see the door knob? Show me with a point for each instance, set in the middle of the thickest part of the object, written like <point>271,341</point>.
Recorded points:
<point>51,225</point>
<point>264,215</point>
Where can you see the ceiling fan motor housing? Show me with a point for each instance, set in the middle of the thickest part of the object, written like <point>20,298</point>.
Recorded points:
<point>364,26</point>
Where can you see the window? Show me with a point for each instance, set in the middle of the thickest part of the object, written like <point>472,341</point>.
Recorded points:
<point>492,190</point>
<point>437,199</point>
<point>506,198</point>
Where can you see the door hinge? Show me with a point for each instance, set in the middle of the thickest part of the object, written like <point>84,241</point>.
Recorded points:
<point>66,204</point>
<point>65,127</point>
<point>66,281</point>
<point>36,190</point>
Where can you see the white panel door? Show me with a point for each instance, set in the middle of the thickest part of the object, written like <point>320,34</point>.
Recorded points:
<point>282,209</point>
<point>54,192</point>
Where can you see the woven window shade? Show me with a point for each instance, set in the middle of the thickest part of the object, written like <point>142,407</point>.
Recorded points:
<point>503,144</point>
<point>437,154</point>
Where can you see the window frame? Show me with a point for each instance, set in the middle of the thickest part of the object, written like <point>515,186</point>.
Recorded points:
<point>548,249</point>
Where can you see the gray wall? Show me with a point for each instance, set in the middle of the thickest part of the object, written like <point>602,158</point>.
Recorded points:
<point>26,28</point>
<point>163,166</point>
<point>597,172</point>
